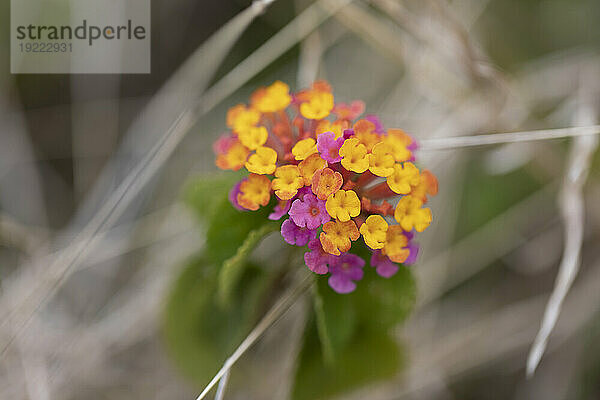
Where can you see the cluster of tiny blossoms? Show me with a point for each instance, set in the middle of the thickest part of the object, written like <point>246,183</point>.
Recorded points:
<point>332,174</point>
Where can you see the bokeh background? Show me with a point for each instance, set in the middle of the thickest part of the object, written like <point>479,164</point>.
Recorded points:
<point>92,326</point>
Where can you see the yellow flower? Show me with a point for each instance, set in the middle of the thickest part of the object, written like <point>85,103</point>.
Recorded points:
<point>241,118</point>
<point>363,131</point>
<point>337,127</point>
<point>304,148</point>
<point>354,155</point>
<point>381,160</point>
<point>309,166</point>
<point>396,243</point>
<point>374,231</point>
<point>263,161</point>
<point>398,140</point>
<point>337,236</point>
<point>254,191</point>
<point>404,178</point>
<point>343,205</point>
<point>287,181</point>
<point>234,158</point>
<point>410,215</point>
<point>318,107</point>
<point>253,137</point>
<point>272,98</point>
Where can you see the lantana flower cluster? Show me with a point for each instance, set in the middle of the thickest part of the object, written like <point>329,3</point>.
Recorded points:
<point>336,178</point>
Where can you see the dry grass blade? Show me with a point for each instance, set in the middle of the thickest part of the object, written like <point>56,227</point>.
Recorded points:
<point>144,171</point>
<point>309,59</point>
<point>572,211</point>
<point>222,386</point>
<point>64,265</point>
<point>269,319</point>
<point>508,137</point>
<point>26,298</point>
<point>292,33</point>
<point>372,29</point>
<point>14,233</point>
<point>432,281</point>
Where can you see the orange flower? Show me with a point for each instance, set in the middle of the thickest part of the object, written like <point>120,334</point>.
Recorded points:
<point>428,185</point>
<point>363,131</point>
<point>325,182</point>
<point>321,86</point>
<point>233,113</point>
<point>337,236</point>
<point>317,86</point>
<point>349,111</point>
<point>234,158</point>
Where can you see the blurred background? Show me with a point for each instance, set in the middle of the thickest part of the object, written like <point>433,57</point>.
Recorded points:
<point>84,288</point>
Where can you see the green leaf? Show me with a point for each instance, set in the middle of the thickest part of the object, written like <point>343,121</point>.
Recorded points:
<point>348,341</point>
<point>335,318</point>
<point>204,194</point>
<point>199,334</point>
<point>228,229</point>
<point>383,302</point>
<point>226,226</point>
<point>370,356</point>
<point>233,268</point>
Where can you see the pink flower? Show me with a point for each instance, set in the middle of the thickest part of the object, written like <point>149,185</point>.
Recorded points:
<point>282,207</point>
<point>413,253</point>
<point>384,266</point>
<point>329,147</point>
<point>294,234</point>
<point>309,212</point>
<point>377,122</point>
<point>233,194</point>
<point>349,111</point>
<point>348,133</point>
<point>302,192</point>
<point>413,249</point>
<point>223,143</point>
<point>317,259</point>
<point>345,272</point>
